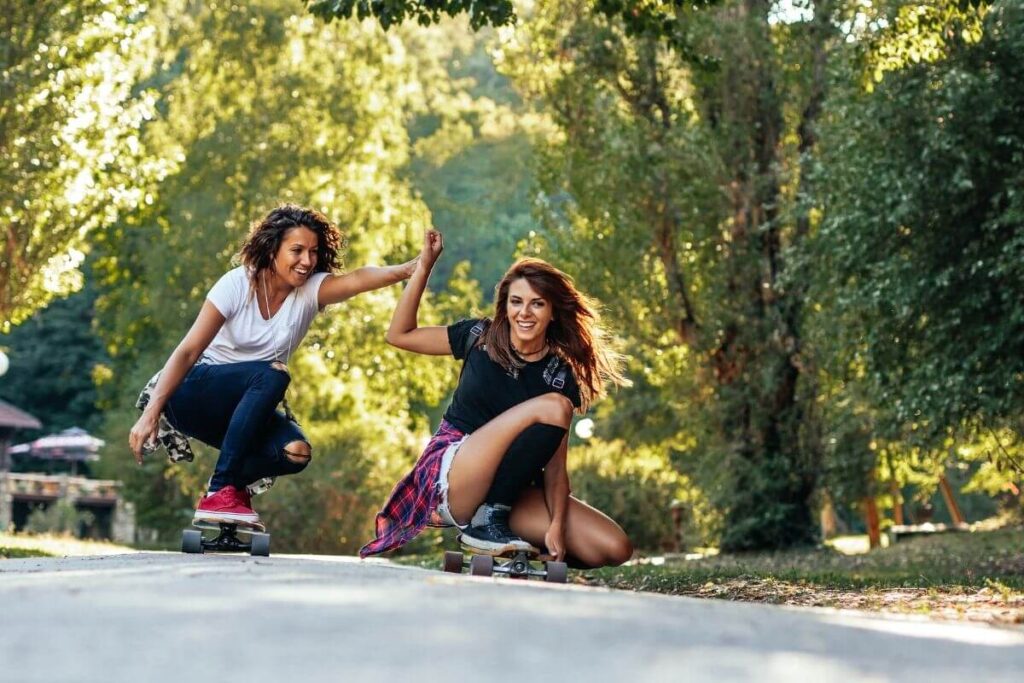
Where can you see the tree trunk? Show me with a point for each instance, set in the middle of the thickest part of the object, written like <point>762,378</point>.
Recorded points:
<point>770,506</point>
<point>897,503</point>
<point>947,494</point>
<point>870,506</point>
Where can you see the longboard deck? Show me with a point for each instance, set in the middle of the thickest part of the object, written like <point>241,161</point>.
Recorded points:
<point>509,554</point>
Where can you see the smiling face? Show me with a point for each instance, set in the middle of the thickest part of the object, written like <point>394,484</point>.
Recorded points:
<point>295,259</point>
<point>529,315</point>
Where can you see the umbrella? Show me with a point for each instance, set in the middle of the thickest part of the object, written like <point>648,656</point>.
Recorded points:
<point>73,444</point>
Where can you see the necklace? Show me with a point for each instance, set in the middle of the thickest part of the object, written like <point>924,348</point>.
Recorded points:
<point>526,356</point>
<point>277,353</point>
<point>273,327</point>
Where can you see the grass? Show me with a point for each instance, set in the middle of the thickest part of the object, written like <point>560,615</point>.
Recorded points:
<point>14,546</point>
<point>976,576</point>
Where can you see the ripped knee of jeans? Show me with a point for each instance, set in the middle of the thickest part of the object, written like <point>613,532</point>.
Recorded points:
<point>298,452</point>
<point>278,365</point>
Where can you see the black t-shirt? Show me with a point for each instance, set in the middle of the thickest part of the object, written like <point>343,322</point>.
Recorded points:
<point>486,389</point>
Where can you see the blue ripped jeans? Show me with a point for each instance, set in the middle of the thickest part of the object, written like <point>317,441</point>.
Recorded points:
<point>233,407</point>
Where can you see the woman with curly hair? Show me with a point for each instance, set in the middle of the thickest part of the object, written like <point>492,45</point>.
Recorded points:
<point>224,381</point>
<point>496,467</point>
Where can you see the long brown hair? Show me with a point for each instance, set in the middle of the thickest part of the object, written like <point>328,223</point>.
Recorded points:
<point>574,333</point>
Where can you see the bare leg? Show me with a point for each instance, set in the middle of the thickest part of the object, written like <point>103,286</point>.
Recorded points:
<point>591,536</point>
<point>474,465</point>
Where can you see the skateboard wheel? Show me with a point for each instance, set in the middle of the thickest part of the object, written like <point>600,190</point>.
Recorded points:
<point>453,562</point>
<point>557,572</point>
<point>481,565</point>
<point>259,544</point>
<point>191,541</point>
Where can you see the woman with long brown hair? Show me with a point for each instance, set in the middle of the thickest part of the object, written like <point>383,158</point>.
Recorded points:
<point>496,467</point>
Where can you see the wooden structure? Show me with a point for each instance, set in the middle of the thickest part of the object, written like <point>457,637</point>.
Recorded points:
<point>12,418</point>
<point>22,492</point>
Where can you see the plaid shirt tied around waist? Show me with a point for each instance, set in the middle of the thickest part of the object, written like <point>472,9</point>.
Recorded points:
<point>414,499</point>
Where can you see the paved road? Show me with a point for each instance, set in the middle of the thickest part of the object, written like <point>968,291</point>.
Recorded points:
<point>155,617</point>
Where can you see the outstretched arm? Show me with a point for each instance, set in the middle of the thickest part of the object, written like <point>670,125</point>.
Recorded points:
<point>204,329</point>
<point>404,332</point>
<point>336,288</point>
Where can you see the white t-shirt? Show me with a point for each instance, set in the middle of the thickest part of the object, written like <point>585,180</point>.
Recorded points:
<point>245,335</point>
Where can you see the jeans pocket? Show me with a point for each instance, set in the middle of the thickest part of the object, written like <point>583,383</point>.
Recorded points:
<point>197,372</point>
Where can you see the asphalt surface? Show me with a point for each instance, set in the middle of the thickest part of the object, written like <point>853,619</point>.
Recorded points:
<point>171,617</point>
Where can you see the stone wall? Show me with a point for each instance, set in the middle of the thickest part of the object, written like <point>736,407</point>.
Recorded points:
<point>44,488</point>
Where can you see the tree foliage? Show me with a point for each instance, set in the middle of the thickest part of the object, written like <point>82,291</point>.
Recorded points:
<point>69,116</point>
<point>803,219</point>
<point>424,12</point>
<point>917,262</point>
<point>55,359</point>
<point>666,181</point>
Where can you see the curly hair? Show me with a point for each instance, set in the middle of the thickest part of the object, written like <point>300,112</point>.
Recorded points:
<point>574,333</point>
<point>266,234</point>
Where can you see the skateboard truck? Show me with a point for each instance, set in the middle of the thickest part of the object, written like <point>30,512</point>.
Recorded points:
<point>227,540</point>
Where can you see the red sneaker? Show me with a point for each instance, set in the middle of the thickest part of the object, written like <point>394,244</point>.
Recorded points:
<point>226,505</point>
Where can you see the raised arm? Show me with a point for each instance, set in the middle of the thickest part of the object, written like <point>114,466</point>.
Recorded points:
<point>204,329</point>
<point>403,332</point>
<point>336,288</point>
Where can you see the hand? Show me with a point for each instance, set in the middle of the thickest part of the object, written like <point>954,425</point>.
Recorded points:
<point>554,541</point>
<point>433,245</point>
<point>143,432</point>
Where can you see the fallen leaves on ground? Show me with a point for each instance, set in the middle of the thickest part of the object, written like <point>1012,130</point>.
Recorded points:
<point>976,576</point>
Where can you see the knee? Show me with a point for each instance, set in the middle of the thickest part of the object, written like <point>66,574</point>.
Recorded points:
<point>298,453</point>
<point>555,409</point>
<point>619,551</point>
<point>612,551</point>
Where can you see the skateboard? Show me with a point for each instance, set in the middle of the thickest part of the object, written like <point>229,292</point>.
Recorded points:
<point>517,564</point>
<point>227,539</point>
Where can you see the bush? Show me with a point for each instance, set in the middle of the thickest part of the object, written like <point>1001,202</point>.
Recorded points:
<point>60,517</point>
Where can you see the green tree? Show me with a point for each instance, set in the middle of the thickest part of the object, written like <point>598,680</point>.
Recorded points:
<point>673,180</point>
<point>69,118</point>
<point>471,160</point>
<point>393,12</point>
<point>917,264</point>
<point>55,356</point>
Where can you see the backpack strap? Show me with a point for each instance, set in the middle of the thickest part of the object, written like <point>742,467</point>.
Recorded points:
<point>556,373</point>
<point>474,335</point>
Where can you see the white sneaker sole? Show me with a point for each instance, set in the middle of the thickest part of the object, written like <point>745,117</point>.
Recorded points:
<point>492,548</point>
<point>203,516</point>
